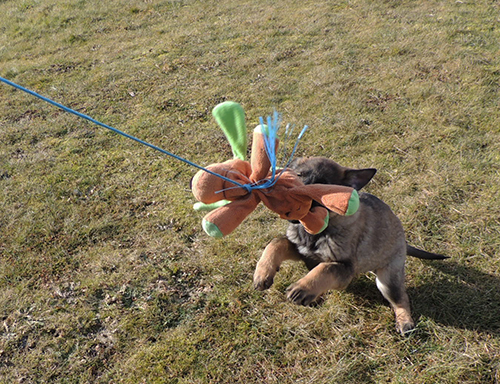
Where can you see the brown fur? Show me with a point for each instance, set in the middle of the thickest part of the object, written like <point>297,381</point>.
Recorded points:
<point>372,239</point>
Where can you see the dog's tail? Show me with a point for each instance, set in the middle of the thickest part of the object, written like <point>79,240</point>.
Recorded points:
<point>415,252</point>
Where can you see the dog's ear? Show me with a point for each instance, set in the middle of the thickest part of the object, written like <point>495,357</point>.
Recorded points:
<point>358,178</point>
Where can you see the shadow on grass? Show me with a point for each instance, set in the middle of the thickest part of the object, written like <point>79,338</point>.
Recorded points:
<point>459,296</point>
<point>455,295</point>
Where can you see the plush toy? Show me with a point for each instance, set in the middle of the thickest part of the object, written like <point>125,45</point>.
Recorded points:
<point>236,187</point>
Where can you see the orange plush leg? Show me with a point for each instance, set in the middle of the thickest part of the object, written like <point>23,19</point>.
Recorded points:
<point>222,221</point>
<point>316,220</point>
<point>337,198</point>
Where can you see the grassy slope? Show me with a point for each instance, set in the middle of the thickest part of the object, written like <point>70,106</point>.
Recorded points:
<point>105,275</point>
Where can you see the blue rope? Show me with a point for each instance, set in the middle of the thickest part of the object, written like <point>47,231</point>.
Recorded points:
<point>247,187</point>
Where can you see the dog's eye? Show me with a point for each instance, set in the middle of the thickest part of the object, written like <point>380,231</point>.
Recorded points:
<point>299,174</point>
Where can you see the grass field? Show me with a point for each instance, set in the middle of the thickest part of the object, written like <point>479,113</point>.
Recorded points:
<point>105,273</point>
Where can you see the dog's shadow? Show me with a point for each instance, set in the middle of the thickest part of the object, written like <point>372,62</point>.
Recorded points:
<point>453,295</point>
<point>458,296</point>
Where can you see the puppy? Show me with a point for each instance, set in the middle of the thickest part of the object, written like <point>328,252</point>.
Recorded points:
<point>372,239</point>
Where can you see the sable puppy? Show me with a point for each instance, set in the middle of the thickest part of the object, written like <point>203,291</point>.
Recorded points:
<point>372,239</point>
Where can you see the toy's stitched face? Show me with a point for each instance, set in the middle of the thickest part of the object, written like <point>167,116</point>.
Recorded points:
<point>285,204</point>
<point>298,213</point>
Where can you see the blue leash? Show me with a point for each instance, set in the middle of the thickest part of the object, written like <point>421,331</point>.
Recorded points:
<point>83,116</point>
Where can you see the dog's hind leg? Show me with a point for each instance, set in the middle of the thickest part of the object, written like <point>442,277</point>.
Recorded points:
<point>277,251</point>
<point>326,276</point>
<point>390,281</point>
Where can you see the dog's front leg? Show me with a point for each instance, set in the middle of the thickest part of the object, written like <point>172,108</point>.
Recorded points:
<point>325,276</point>
<point>277,251</point>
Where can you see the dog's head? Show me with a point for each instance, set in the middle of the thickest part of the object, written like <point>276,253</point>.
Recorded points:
<point>320,170</point>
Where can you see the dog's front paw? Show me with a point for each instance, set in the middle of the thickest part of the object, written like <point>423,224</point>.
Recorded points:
<point>261,284</point>
<point>298,294</point>
<point>263,278</point>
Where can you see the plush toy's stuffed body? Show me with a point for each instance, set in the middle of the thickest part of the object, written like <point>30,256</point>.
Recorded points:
<point>236,187</point>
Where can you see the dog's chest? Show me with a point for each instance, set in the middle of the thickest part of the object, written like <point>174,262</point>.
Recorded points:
<point>330,245</point>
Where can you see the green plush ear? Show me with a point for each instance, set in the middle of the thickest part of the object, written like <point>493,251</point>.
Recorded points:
<point>231,118</point>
